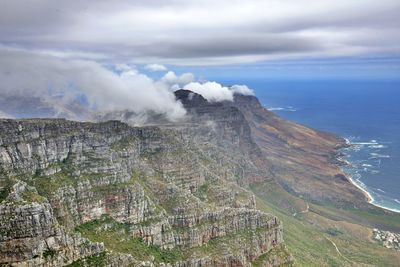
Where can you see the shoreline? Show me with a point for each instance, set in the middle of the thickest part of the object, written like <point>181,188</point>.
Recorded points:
<point>366,193</point>
<point>370,198</point>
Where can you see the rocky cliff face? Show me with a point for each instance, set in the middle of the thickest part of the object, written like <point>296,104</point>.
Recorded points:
<point>113,195</point>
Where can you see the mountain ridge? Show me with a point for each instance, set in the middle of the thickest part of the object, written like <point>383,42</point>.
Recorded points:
<point>173,188</point>
<point>198,192</point>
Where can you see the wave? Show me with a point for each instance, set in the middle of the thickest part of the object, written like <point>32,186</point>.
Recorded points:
<point>364,143</point>
<point>368,161</point>
<point>288,108</point>
<point>377,146</point>
<point>378,156</point>
<point>360,185</point>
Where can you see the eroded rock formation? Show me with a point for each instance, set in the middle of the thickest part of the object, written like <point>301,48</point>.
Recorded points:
<point>114,195</point>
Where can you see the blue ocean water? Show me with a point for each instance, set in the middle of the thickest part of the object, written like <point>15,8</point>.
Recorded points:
<point>366,113</point>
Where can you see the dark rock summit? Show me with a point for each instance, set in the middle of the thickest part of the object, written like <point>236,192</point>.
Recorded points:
<point>190,99</point>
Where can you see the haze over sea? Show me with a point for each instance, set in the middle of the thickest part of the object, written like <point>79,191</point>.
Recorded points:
<point>367,113</point>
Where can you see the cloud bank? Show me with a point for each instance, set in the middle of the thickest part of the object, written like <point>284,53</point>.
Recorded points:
<point>68,85</point>
<point>78,56</point>
<point>23,73</point>
<point>214,92</point>
<point>175,31</point>
<point>242,90</point>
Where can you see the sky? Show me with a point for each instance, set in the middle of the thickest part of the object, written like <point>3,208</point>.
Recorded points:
<point>133,54</point>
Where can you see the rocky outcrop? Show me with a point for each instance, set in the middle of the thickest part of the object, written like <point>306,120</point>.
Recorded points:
<point>30,234</point>
<point>170,188</point>
<point>388,239</point>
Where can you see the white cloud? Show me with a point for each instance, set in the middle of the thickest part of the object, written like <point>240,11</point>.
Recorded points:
<point>241,89</point>
<point>61,81</point>
<point>25,73</point>
<point>212,91</point>
<point>155,67</point>
<point>176,82</point>
<point>123,67</point>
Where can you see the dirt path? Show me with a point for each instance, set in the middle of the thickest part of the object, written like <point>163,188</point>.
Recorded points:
<point>302,211</point>
<point>307,209</point>
<point>337,249</point>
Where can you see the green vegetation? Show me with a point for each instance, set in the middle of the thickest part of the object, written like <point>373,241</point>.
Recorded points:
<point>29,195</point>
<point>5,186</point>
<point>97,260</point>
<point>4,193</point>
<point>116,237</point>
<point>232,243</point>
<point>47,185</point>
<point>49,253</point>
<point>202,192</point>
<point>311,238</point>
<point>152,153</point>
<point>32,196</point>
<point>124,143</point>
<point>379,217</point>
<point>242,197</point>
<point>333,232</point>
<point>279,253</point>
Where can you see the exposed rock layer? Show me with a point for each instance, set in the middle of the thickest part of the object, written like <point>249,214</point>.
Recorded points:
<point>174,187</point>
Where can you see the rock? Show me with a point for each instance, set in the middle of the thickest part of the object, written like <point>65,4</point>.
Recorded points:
<point>174,186</point>
<point>389,239</point>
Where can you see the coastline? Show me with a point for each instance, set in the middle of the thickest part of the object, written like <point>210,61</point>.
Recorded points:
<point>366,193</point>
<point>370,198</point>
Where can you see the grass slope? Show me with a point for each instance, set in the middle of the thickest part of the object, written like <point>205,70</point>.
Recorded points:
<point>316,238</point>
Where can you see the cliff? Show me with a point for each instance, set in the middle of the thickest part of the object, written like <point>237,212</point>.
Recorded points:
<point>108,194</point>
<point>171,194</point>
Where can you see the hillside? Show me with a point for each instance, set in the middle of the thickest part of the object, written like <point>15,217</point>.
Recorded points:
<point>232,185</point>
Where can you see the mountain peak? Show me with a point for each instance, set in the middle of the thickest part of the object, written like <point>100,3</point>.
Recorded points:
<point>246,101</point>
<point>189,98</point>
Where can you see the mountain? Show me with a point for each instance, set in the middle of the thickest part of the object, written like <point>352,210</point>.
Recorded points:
<point>305,162</point>
<point>232,185</point>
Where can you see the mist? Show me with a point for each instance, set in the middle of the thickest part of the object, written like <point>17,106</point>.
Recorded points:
<point>98,88</point>
<point>53,86</point>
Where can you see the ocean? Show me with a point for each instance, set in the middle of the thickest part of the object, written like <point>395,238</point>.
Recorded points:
<point>367,114</point>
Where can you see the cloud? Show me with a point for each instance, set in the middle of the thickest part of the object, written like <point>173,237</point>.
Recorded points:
<point>241,89</point>
<point>23,73</point>
<point>175,82</point>
<point>215,92</point>
<point>120,67</point>
<point>155,67</point>
<point>170,32</point>
<point>62,83</point>
<point>4,115</point>
<point>212,91</point>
